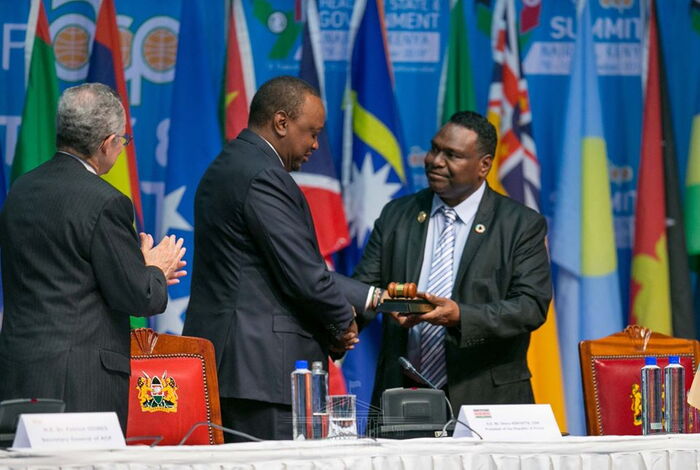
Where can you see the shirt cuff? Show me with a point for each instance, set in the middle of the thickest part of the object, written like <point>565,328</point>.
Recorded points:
<point>370,295</point>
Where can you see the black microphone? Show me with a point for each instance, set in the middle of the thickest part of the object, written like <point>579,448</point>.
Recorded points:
<point>406,365</point>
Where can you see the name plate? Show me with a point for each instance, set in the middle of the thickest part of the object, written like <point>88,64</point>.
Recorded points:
<point>69,431</point>
<point>508,422</point>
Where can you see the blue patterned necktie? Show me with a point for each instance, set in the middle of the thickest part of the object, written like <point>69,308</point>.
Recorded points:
<point>432,338</point>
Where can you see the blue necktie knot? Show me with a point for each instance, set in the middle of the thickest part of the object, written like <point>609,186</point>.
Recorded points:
<point>450,215</point>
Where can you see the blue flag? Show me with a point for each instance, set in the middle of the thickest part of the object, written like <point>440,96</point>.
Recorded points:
<point>318,178</point>
<point>374,169</point>
<point>194,140</point>
<point>587,291</point>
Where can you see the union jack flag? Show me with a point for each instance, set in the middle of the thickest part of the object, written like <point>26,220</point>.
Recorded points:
<point>516,170</point>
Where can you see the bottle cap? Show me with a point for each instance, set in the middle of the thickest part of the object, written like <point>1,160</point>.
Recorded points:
<point>650,361</point>
<point>317,366</point>
<point>301,364</point>
<point>674,360</point>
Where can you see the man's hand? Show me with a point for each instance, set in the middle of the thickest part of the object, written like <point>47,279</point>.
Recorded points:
<point>406,321</point>
<point>167,256</point>
<point>347,340</point>
<point>385,296</point>
<point>445,313</point>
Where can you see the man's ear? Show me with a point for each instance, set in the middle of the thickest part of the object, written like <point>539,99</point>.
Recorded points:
<point>107,142</point>
<point>485,163</point>
<point>279,123</point>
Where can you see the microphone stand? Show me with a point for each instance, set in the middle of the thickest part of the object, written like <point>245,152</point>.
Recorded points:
<point>406,365</point>
<point>221,428</point>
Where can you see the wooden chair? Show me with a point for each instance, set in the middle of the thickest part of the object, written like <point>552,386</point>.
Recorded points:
<point>610,369</point>
<point>173,386</point>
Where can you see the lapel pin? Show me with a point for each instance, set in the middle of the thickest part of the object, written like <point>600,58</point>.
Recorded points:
<point>421,217</point>
<point>480,228</point>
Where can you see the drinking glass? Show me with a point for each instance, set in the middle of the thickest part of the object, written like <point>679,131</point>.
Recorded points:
<point>341,416</point>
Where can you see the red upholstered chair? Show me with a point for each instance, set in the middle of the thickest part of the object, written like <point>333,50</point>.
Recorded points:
<point>610,368</point>
<point>173,386</point>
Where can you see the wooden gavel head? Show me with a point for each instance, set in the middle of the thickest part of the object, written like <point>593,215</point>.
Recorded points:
<point>402,289</point>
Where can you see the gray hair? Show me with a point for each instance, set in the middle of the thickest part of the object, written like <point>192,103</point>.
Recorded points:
<point>87,115</point>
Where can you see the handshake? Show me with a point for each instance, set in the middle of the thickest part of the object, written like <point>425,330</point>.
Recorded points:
<point>349,338</point>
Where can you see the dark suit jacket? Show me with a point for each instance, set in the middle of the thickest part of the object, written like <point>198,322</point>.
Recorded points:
<point>502,287</point>
<point>72,274</point>
<point>261,291</point>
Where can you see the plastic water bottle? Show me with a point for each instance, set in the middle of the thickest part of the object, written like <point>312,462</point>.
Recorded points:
<point>319,394</point>
<point>301,401</point>
<point>652,417</point>
<point>674,389</point>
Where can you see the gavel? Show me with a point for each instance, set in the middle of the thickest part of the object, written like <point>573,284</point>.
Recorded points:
<point>402,289</point>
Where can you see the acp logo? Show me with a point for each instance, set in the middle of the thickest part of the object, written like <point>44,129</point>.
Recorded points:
<point>148,52</point>
<point>72,42</point>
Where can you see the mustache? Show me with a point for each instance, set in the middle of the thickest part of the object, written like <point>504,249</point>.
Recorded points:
<point>432,171</point>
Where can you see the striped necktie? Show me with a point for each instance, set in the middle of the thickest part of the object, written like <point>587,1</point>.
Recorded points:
<point>432,338</point>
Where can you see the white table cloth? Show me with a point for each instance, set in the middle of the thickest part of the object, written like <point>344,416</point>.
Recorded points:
<point>586,453</point>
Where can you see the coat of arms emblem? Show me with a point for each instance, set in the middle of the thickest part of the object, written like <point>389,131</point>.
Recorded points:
<point>157,393</point>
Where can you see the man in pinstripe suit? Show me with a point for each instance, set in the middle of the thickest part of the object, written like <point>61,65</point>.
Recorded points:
<point>72,268</point>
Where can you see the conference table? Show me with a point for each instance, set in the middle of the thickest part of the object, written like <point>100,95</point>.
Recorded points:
<point>680,451</point>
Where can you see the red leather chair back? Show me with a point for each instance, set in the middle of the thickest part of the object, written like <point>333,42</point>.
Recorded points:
<point>173,386</point>
<point>611,371</point>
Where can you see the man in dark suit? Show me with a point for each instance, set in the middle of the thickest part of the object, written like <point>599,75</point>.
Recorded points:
<point>72,269</point>
<point>261,292</point>
<point>495,278</point>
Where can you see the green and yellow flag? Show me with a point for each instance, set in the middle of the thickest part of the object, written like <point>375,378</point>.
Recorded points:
<point>37,136</point>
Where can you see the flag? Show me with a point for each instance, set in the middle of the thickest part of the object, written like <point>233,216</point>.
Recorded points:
<point>660,291</point>
<point>692,191</point>
<point>692,183</point>
<point>515,170</point>
<point>106,67</point>
<point>374,167</point>
<point>650,291</point>
<point>584,259</point>
<point>530,15</point>
<point>240,74</point>
<point>456,82</point>
<point>374,164</point>
<point>37,136</point>
<point>318,179</point>
<point>516,173</point>
<point>692,204</point>
<point>192,145</point>
<point>683,316</point>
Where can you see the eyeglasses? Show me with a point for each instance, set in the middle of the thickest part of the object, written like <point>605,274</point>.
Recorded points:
<point>125,139</point>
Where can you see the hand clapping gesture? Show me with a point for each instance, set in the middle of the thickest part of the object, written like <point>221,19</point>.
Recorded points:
<point>166,255</point>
